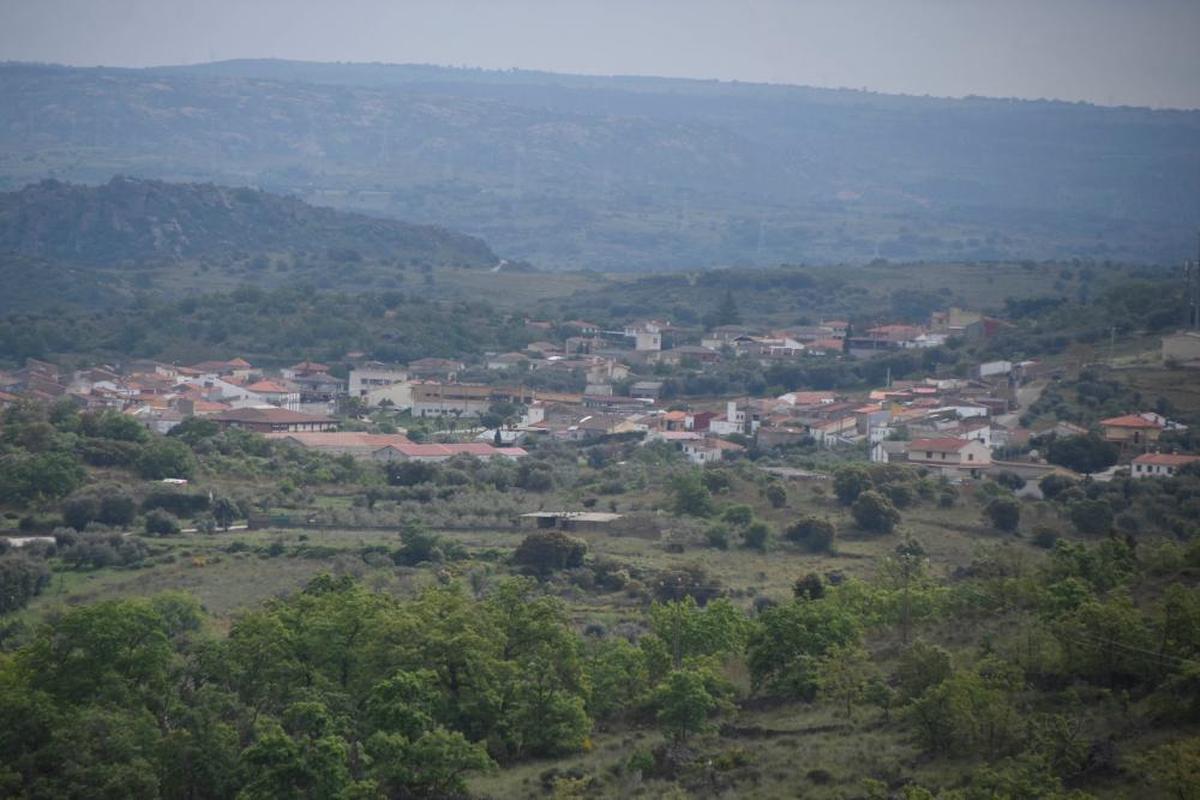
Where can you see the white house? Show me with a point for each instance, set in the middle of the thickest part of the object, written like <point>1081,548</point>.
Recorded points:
<point>956,458</point>
<point>705,451</point>
<point>1159,465</point>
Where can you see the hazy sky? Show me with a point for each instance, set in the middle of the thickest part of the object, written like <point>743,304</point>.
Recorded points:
<point>1140,52</point>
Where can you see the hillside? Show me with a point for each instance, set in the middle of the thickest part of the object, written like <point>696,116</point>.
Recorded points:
<point>147,222</point>
<point>632,173</point>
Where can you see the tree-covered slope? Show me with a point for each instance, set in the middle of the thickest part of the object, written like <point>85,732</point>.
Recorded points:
<point>147,222</point>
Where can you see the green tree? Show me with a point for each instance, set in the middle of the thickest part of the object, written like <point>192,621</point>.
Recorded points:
<point>784,649</point>
<point>161,523</point>
<point>684,704</point>
<point>849,482</point>
<point>874,512</point>
<point>776,495</point>
<point>225,511</point>
<point>166,458</point>
<point>690,496</point>
<point>843,674</point>
<point>813,533</point>
<point>1004,513</point>
<point>549,551</point>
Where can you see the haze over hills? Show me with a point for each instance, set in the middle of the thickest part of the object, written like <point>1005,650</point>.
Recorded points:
<point>632,173</point>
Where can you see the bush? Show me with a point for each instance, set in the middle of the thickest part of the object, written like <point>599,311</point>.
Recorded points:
<point>813,533</point>
<point>411,473</point>
<point>691,581</point>
<point>117,509</point>
<point>1010,480</point>
<point>21,580</point>
<point>756,536</point>
<point>1004,513</point>
<point>182,504</point>
<point>166,458</point>
<point>874,512</point>
<point>1045,537</point>
<point>1054,485</point>
<point>161,523</point>
<point>547,551</point>
<point>717,536</point>
<point>776,495</point>
<point>690,496</point>
<point>77,512</point>
<point>810,587</point>
<point>418,546</point>
<point>849,482</point>
<point>537,476</point>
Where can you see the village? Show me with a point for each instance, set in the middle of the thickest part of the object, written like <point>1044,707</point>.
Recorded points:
<point>962,427</point>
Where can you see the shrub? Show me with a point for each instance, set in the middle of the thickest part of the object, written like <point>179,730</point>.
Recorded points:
<point>717,536</point>
<point>166,458</point>
<point>813,533</point>
<point>116,508</point>
<point>77,512</point>
<point>690,581</point>
<point>1010,480</point>
<point>756,536</point>
<point>776,495</point>
<point>690,496</point>
<point>810,587</point>
<point>21,580</point>
<point>547,551</point>
<point>1004,513</point>
<point>161,523</point>
<point>1054,485</point>
<point>181,504</point>
<point>1044,536</point>
<point>849,482</point>
<point>874,512</point>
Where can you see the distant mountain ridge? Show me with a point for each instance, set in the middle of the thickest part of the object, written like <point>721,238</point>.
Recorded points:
<point>632,173</point>
<point>128,220</point>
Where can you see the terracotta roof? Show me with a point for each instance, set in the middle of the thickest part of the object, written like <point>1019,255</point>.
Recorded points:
<point>268,387</point>
<point>939,445</point>
<point>1166,459</point>
<point>310,366</point>
<point>1129,421</point>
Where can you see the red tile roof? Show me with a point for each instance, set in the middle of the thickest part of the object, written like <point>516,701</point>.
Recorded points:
<point>1129,421</point>
<point>1166,459</point>
<point>268,387</point>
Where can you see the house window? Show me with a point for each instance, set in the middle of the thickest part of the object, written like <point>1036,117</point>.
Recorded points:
<point>928,454</point>
<point>970,456</point>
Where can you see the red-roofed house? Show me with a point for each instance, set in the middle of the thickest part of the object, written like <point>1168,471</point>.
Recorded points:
<point>1160,465</point>
<point>1131,432</point>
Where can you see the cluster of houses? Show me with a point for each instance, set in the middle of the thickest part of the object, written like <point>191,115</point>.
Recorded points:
<point>952,426</point>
